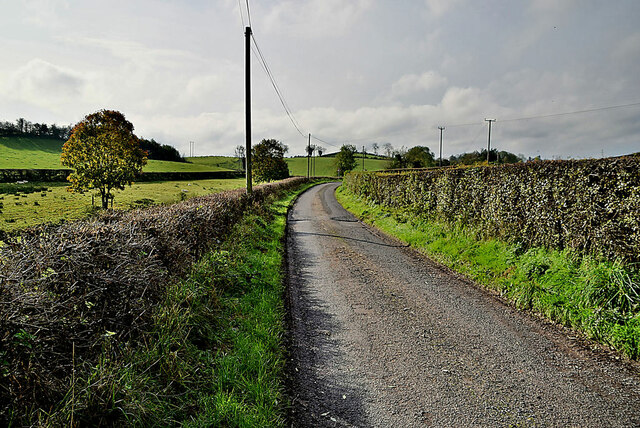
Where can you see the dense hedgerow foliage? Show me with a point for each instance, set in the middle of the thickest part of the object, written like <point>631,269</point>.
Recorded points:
<point>66,292</point>
<point>592,206</point>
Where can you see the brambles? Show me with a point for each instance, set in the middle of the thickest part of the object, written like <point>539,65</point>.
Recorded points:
<point>87,290</point>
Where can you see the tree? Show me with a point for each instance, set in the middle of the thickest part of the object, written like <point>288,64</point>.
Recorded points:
<point>105,154</point>
<point>320,150</point>
<point>419,157</point>
<point>388,149</point>
<point>240,154</point>
<point>268,162</point>
<point>345,159</point>
<point>375,147</point>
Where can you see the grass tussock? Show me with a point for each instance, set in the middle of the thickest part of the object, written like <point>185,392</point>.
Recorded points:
<point>156,317</point>
<point>598,297</point>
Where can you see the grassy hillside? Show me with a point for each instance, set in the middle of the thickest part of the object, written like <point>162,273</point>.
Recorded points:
<point>30,152</point>
<point>325,165</point>
<point>44,153</point>
<point>216,163</point>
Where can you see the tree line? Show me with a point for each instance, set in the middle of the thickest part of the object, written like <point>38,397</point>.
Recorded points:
<point>23,127</point>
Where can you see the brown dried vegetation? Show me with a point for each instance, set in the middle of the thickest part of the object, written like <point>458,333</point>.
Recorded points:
<point>66,290</point>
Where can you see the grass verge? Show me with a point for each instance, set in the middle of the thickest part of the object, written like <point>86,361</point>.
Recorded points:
<point>215,355</point>
<point>600,298</point>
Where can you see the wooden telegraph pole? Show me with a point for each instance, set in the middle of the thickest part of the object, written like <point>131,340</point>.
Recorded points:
<point>247,35</point>
<point>441,128</point>
<point>489,140</point>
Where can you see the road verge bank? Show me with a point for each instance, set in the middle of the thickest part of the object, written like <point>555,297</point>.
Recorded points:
<point>599,298</point>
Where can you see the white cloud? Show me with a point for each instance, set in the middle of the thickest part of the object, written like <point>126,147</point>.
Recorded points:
<point>314,18</point>
<point>45,84</point>
<point>411,83</point>
<point>437,8</point>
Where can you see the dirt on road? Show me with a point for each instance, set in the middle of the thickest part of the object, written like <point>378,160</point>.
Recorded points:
<point>380,336</point>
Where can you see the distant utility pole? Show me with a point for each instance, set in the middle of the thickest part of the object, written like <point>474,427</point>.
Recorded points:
<point>191,144</point>
<point>441,128</point>
<point>489,140</point>
<point>363,158</point>
<point>247,55</point>
<point>309,157</point>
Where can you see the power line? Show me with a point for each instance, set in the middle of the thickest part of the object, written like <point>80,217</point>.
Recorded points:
<point>572,112</point>
<point>248,13</point>
<point>241,15</point>
<point>266,68</point>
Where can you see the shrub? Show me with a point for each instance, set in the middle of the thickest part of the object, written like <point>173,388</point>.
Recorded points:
<point>71,293</point>
<point>590,206</point>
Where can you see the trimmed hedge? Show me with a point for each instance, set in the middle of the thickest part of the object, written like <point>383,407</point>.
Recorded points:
<point>60,175</point>
<point>592,206</point>
<point>67,293</point>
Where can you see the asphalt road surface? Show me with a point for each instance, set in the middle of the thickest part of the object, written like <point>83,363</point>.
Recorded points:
<point>382,337</point>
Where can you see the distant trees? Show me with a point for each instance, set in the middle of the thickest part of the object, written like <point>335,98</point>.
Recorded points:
<point>479,157</point>
<point>159,151</point>
<point>388,149</point>
<point>267,161</point>
<point>375,147</point>
<point>23,127</point>
<point>105,154</point>
<point>415,157</point>
<point>240,153</point>
<point>345,159</point>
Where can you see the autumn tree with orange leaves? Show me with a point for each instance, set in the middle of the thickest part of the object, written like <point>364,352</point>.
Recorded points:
<point>104,153</point>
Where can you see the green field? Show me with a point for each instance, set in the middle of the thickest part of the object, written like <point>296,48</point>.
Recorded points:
<point>52,203</point>
<point>44,153</point>
<point>326,167</point>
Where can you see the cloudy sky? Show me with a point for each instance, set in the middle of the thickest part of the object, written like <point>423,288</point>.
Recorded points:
<point>357,71</point>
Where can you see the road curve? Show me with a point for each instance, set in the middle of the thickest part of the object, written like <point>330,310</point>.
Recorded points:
<point>382,337</point>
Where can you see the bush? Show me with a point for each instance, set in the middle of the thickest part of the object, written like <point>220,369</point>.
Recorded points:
<point>73,293</point>
<point>590,206</point>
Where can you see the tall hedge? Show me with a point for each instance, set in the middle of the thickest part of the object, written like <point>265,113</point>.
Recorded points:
<point>68,291</point>
<point>592,206</point>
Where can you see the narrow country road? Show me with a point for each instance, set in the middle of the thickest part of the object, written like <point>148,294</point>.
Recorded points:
<point>382,337</point>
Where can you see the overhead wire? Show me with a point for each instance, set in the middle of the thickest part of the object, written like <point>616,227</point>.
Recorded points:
<point>241,14</point>
<point>265,66</point>
<point>267,69</point>
<point>248,13</point>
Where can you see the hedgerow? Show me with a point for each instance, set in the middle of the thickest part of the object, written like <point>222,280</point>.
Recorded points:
<point>69,292</point>
<point>589,206</point>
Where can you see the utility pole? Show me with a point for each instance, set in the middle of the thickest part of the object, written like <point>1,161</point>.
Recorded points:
<point>247,35</point>
<point>363,158</point>
<point>441,128</point>
<point>489,140</point>
<point>191,144</point>
<point>309,157</point>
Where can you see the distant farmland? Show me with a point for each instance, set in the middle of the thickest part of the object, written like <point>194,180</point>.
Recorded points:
<point>325,165</point>
<point>44,153</point>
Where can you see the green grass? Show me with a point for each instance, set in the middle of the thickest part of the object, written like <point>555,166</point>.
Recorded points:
<point>600,298</point>
<point>36,153</point>
<point>326,167</point>
<point>44,153</point>
<point>53,203</point>
<point>216,163</point>
<point>215,357</point>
